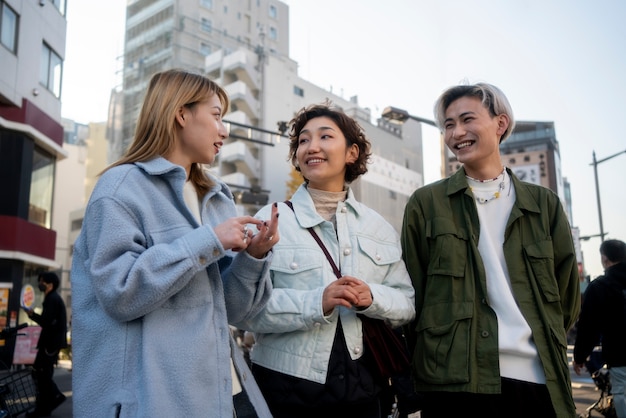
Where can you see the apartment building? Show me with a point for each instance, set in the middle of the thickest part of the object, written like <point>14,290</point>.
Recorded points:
<point>165,34</point>
<point>244,46</point>
<point>32,47</point>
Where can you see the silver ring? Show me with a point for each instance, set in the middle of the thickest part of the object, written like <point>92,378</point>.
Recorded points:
<point>271,237</point>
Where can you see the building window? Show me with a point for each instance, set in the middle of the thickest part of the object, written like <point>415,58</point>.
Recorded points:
<point>273,33</point>
<point>41,189</point>
<point>51,70</point>
<point>59,4</point>
<point>76,224</point>
<point>207,3</point>
<point>206,25</point>
<point>298,91</point>
<point>8,27</point>
<point>273,12</point>
<point>205,49</point>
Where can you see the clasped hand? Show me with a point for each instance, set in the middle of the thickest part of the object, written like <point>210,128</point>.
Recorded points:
<point>347,291</point>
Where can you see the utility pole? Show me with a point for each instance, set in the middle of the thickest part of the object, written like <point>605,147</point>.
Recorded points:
<point>595,174</point>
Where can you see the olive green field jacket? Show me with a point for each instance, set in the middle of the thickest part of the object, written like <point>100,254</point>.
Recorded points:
<point>454,337</point>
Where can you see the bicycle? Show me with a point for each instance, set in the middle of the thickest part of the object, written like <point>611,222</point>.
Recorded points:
<point>18,392</point>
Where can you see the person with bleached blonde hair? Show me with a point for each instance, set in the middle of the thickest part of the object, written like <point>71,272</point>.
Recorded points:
<point>494,269</point>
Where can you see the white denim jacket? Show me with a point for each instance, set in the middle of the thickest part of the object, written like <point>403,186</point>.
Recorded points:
<point>292,334</point>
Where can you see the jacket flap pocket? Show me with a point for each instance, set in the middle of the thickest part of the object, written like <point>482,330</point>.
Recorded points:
<point>540,257</point>
<point>448,248</point>
<point>444,226</point>
<point>440,317</point>
<point>297,260</point>
<point>381,253</point>
<point>541,249</point>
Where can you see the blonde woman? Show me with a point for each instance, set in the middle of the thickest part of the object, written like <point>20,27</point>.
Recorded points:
<point>161,263</point>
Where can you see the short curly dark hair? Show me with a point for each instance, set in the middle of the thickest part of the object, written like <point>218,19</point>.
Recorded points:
<point>350,128</point>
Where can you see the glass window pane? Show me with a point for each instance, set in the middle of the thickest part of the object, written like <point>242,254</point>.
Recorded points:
<point>56,69</point>
<point>59,4</point>
<point>8,37</point>
<point>43,65</point>
<point>206,25</point>
<point>41,189</point>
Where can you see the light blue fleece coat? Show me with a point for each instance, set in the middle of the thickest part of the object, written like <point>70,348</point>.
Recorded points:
<point>152,293</point>
<point>292,334</point>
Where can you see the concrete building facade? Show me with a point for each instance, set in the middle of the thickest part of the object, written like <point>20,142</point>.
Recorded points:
<point>32,47</point>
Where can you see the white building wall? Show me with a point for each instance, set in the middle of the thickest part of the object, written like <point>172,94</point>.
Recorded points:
<point>96,159</point>
<point>69,195</point>
<point>19,74</point>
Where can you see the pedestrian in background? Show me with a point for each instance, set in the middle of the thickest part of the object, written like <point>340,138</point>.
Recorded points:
<point>309,356</point>
<point>162,263</point>
<point>603,321</point>
<point>495,274</point>
<point>53,338</point>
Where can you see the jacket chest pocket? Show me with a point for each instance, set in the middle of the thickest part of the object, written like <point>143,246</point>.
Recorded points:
<point>540,258</point>
<point>376,258</point>
<point>300,268</point>
<point>448,248</point>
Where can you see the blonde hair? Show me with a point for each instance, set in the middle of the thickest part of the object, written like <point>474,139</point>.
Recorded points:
<point>156,133</point>
<point>492,98</point>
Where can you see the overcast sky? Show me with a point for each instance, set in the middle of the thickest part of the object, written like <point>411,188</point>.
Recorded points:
<point>556,60</point>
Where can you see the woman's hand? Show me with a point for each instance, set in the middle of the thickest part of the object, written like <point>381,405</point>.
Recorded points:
<point>235,234</point>
<point>263,241</point>
<point>347,291</point>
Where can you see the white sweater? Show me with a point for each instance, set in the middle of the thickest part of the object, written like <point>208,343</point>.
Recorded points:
<point>518,354</point>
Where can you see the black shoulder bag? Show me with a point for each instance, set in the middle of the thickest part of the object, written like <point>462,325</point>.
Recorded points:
<point>388,349</point>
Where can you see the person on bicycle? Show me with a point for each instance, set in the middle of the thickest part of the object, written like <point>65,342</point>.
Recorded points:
<point>53,337</point>
<point>603,320</point>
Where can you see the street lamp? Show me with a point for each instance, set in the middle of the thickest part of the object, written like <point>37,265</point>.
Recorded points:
<point>595,174</point>
<point>397,115</point>
<point>588,237</point>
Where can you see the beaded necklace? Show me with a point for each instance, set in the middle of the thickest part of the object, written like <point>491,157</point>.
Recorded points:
<point>494,195</point>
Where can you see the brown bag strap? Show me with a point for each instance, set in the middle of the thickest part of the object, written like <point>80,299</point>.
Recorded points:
<point>320,243</point>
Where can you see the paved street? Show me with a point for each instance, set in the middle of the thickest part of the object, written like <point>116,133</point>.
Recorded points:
<point>585,392</point>
<point>63,379</point>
